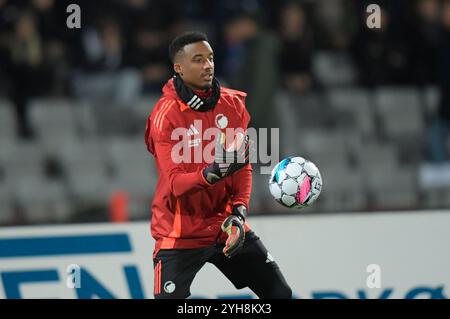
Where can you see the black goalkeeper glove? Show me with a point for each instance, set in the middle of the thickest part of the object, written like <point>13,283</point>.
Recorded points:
<point>233,225</point>
<point>227,161</point>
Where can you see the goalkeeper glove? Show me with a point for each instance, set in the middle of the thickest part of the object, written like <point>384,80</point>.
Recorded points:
<point>228,160</point>
<point>233,225</point>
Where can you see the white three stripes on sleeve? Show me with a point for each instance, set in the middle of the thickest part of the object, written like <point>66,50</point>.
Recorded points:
<point>162,113</point>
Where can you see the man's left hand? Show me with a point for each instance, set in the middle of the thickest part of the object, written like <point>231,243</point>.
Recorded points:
<point>233,225</point>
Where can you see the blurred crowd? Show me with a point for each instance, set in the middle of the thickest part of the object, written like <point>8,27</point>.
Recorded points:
<point>120,51</point>
<point>353,99</point>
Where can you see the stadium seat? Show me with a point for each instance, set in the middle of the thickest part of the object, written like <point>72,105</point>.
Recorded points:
<point>41,200</point>
<point>6,208</point>
<point>433,175</point>
<point>436,198</point>
<point>91,151</point>
<point>402,121</point>
<point>144,106</point>
<point>89,188</point>
<point>389,184</point>
<point>356,103</point>
<point>378,157</point>
<point>396,192</point>
<point>85,167</point>
<point>400,112</point>
<point>84,117</point>
<point>139,195</point>
<point>343,189</point>
<point>8,121</point>
<point>324,146</point>
<point>333,69</point>
<point>393,188</point>
<point>431,97</point>
<point>116,121</point>
<point>52,116</point>
<point>260,194</point>
<point>289,125</point>
<point>22,159</point>
<point>134,172</point>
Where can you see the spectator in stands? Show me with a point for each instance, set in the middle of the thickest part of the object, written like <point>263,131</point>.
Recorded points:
<point>47,18</point>
<point>440,128</point>
<point>250,62</point>
<point>4,32</point>
<point>27,68</point>
<point>102,75</point>
<point>381,55</point>
<point>296,49</point>
<point>424,41</point>
<point>49,22</point>
<point>133,15</point>
<point>147,54</point>
<point>335,23</point>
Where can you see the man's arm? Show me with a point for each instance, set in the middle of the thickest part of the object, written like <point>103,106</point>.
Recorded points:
<point>241,190</point>
<point>181,182</point>
<point>233,225</point>
<point>158,139</point>
<point>242,186</point>
<point>242,180</point>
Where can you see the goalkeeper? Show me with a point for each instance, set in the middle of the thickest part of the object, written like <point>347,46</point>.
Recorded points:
<point>199,209</point>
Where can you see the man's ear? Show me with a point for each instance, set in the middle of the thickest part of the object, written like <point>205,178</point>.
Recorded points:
<point>177,68</point>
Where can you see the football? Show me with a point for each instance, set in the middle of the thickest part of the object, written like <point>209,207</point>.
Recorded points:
<point>295,182</point>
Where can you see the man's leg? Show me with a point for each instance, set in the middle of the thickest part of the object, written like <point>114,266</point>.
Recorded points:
<point>255,268</point>
<point>175,269</point>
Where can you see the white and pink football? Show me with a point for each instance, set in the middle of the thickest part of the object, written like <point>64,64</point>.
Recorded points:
<point>295,182</point>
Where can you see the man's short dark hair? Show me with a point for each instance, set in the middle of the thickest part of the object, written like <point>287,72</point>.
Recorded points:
<point>184,39</point>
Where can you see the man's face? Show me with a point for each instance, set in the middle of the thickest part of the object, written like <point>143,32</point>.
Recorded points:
<point>195,64</point>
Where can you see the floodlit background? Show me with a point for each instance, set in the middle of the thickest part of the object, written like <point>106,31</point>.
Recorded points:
<point>369,106</point>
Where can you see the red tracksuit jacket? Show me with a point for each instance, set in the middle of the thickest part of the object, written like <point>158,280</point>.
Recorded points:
<point>187,211</point>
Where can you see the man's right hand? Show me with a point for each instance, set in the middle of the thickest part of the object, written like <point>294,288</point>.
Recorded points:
<point>228,160</point>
